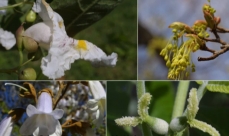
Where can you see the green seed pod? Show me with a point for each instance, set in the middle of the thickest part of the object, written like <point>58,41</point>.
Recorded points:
<point>31,16</point>
<point>37,55</point>
<point>28,74</point>
<point>30,44</point>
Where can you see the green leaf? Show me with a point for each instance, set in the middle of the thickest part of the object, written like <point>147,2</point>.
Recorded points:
<point>119,104</point>
<point>218,86</point>
<point>79,14</point>
<point>204,127</point>
<point>163,99</point>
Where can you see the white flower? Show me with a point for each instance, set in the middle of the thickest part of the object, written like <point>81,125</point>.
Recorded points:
<point>7,39</point>
<point>6,126</point>
<point>99,95</point>
<point>42,120</point>
<point>63,50</point>
<point>3,3</point>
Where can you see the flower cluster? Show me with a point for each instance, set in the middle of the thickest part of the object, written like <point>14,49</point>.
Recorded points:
<point>177,53</point>
<point>43,120</point>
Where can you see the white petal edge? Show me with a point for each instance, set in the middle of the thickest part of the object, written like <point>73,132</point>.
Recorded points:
<point>31,110</point>
<point>57,113</point>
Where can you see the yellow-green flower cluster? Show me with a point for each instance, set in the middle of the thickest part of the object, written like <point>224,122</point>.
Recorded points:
<point>178,58</point>
<point>209,9</point>
<point>200,27</point>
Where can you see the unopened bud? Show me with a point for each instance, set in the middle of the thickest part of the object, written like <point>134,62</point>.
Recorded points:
<point>28,74</point>
<point>30,44</point>
<point>178,124</point>
<point>31,16</point>
<point>159,126</point>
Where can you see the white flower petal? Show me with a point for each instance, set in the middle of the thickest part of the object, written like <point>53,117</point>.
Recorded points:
<point>31,110</point>
<point>43,9</point>
<point>7,39</point>
<point>29,126</point>
<point>58,131</point>
<point>44,103</point>
<point>64,50</point>
<point>6,126</point>
<point>97,90</point>
<point>57,113</point>
<point>89,51</point>
<point>41,33</point>
<point>46,123</point>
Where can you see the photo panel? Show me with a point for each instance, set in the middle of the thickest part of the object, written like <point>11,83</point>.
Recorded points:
<point>60,108</point>
<point>167,108</point>
<point>183,40</point>
<point>68,40</point>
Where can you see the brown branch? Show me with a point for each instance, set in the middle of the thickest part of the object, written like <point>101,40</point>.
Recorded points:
<point>205,48</point>
<point>222,30</point>
<point>61,92</point>
<point>215,54</point>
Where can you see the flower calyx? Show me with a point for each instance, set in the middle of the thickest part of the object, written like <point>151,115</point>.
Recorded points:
<point>30,93</point>
<point>76,127</point>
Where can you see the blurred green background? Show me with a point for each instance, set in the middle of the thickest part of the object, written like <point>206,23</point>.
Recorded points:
<point>116,32</point>
<point>122,101</point>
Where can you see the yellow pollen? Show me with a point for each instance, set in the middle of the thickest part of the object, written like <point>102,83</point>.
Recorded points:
<point>81,45</point>
<point>60,24</point>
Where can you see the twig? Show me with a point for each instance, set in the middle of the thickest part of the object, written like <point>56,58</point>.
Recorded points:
<point>63,89</point>
<point>216,54</point>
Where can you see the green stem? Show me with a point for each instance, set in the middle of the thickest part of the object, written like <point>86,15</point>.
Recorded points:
<point>146,130</point>
<point>140,88</point>
<point>140,91</point>
<point>21,57</point>
<point>181,95</point>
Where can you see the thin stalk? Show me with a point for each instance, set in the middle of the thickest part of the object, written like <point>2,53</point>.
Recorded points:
<point>181,95</point>
<point>140,91</point>
<point>140,88</point>
<point>17,86</point>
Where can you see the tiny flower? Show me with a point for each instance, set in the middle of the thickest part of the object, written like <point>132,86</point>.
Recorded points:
<point>42,120</point>
<point>128,121</point>
<point>99,95</point>
<point>63,50</point>
<point>7,39</point>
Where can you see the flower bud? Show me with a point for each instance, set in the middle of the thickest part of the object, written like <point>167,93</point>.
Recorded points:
<point>210,20</point>
<point>19,33</point>
<point>31,16</point>
<point>30,44</point>
<point>159,126</point>
<point>217,20</point>
<point>178,124</point>
<point>200,23</point>
<point>28,74</point>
